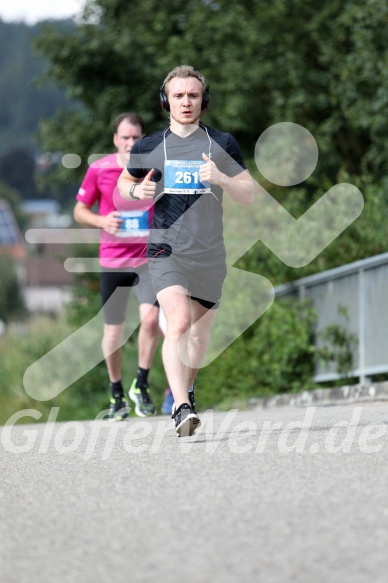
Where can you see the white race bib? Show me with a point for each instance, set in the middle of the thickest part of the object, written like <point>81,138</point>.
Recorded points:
<point>135,224</point>
<point>182,177</point>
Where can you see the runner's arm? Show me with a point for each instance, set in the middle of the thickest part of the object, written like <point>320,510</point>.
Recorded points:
<point>145,187</point>
<point>239,188</point>
<point>84,215</point>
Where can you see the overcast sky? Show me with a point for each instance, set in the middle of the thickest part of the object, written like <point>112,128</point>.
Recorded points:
<point>31,11</point>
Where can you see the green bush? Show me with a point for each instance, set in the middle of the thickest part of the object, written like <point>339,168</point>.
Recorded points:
<point>22,347</point>
<point>276,354</point>
<point>338,347</point>
<point>11,300</point>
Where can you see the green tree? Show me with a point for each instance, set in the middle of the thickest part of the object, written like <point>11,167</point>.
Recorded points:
<point>12,304</point>
<point>283,61</point>
<point>11,300</point>
<point>23,101</point>
<point>323,67</point>
<point>23,182</point>
<point>266,63</point>
<point>13,198</point>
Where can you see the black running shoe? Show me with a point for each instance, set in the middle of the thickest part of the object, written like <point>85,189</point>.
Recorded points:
<point>118,409</point>
<point>141,397</point>
<point>186,420</point>
<point>191,400</point>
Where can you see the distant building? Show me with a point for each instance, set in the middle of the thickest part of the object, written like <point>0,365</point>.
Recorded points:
<point>45,213</point>
<point>45,283</point>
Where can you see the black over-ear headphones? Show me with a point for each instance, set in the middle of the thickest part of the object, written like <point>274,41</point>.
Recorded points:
<point>166,106</point>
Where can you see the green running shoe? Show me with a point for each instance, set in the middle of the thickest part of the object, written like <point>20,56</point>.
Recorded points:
<point>118,410</point>
<point>142,399</point>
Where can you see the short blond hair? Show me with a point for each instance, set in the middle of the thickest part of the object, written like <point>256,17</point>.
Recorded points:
<point>183,72</point>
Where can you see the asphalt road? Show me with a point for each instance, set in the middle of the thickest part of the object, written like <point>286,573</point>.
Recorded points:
<point>272,496</point>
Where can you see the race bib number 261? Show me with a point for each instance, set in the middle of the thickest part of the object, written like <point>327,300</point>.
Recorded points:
<point>182,177</point>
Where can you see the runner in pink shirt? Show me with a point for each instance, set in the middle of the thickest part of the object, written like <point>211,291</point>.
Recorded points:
<point>124,228</point>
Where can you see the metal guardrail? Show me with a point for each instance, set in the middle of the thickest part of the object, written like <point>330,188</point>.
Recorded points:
<point>362,288</point>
